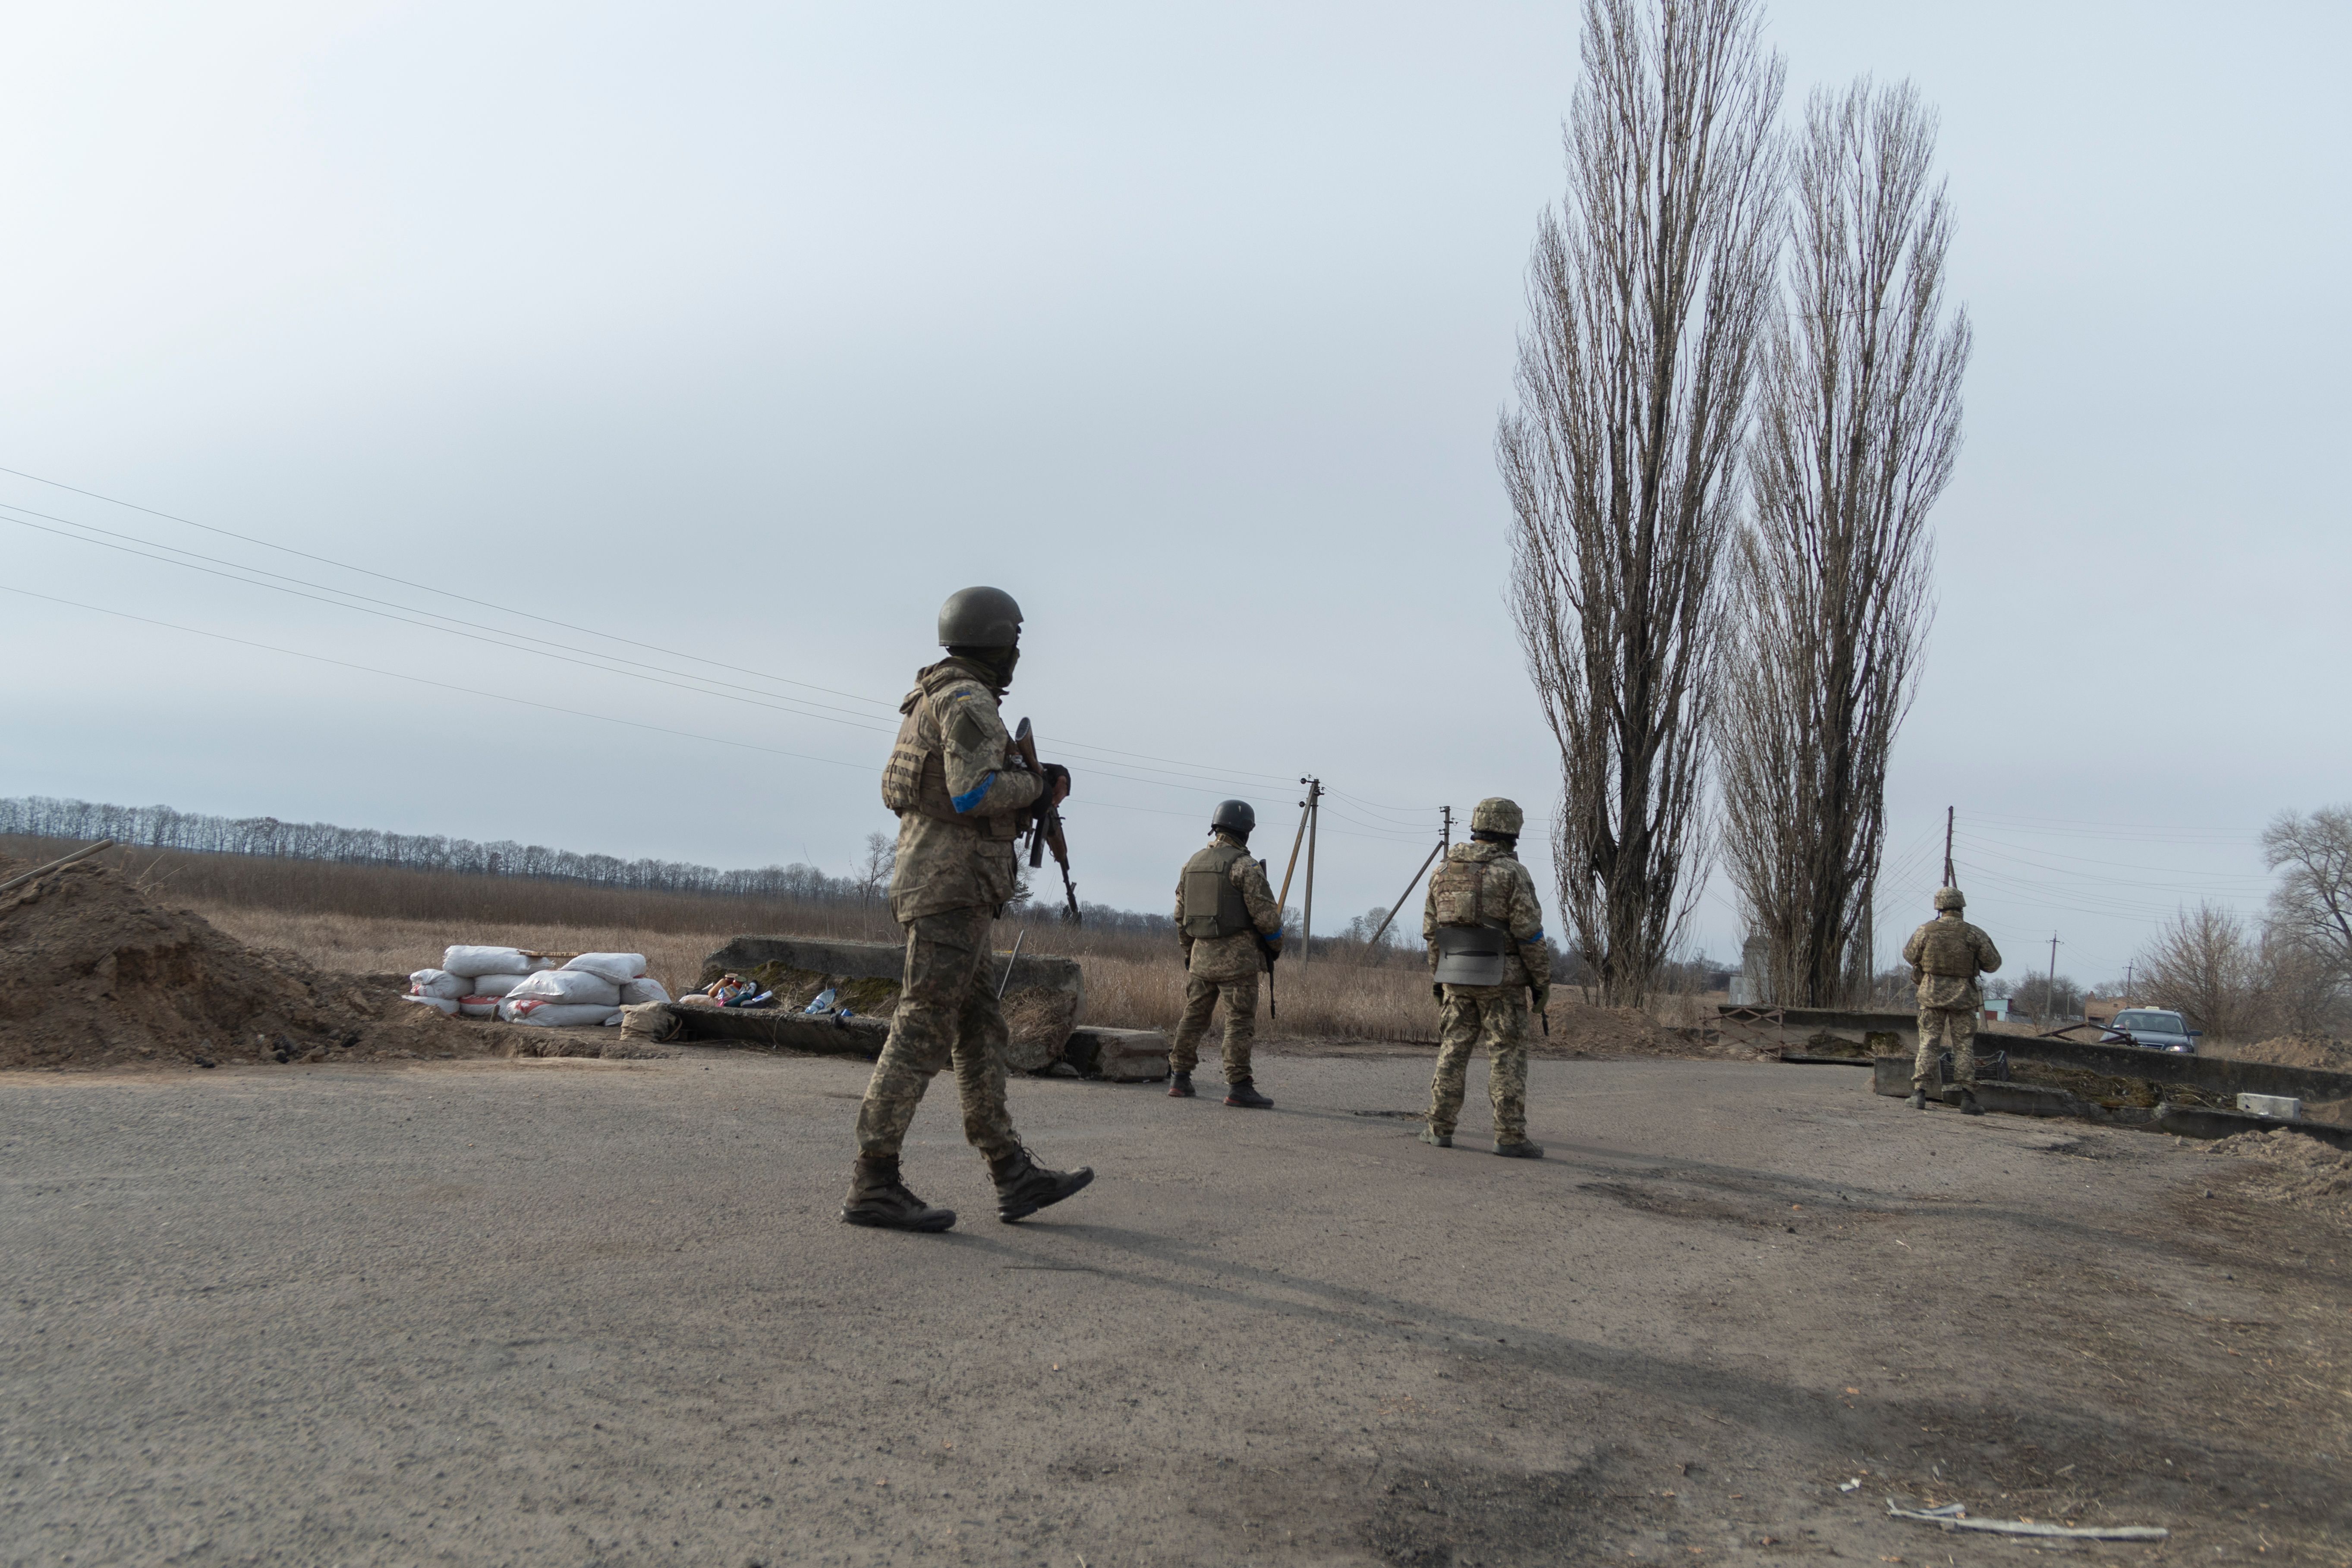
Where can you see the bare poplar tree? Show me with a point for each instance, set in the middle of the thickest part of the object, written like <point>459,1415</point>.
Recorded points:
<point>1647,292</point>
<point>2203,964</point>
<point>1858,421</point>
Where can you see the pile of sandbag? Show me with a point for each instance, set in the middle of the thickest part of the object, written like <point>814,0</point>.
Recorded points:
<point>546,989</point>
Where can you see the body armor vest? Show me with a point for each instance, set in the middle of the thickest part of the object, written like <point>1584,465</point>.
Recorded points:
<point>1212,905</point>
<point>1477,953</point>
<point>916,777</point>
<point>1946,949</point>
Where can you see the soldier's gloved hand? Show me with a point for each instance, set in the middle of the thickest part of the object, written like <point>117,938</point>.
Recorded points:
<point>1542,995</point>
<point>1057,782</point>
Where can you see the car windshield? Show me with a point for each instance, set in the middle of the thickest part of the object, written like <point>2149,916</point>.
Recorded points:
<point>2149,1023</point>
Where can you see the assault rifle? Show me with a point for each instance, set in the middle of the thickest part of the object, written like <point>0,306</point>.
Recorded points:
<point>1045,818</point>
<point>1267,954</point>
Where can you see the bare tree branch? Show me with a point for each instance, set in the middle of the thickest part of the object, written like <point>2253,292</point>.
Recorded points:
<point>1647,291</point>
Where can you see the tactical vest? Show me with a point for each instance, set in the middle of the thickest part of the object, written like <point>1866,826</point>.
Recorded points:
<point>916,777</point>
<point>1212,905</point>
<point>1472,955</point>
<point>1944,947</point>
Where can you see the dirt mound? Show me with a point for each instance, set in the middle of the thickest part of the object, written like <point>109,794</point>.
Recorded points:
<point>2302,1170</point>
<point>94,974</point>
<point>2299,1051</point>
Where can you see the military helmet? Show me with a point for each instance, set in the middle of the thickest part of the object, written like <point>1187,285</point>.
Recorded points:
<point>1495,814</point>
<point>1951,898</point>
<point>1233,816</point>
<point>979,617</point>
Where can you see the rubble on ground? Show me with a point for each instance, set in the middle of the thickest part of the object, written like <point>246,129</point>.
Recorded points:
<point>2302,1170</point>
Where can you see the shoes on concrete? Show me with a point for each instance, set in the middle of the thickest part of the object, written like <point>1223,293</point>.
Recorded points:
<point>1024,1186</point>
<point>1241,1091</point>
<point>1968,1106</point>
<point>1918,1100</point>
<point>878,1198</point>
<point>1522,1150</point>
<point>1180,1086</point>
<point>1435,1139</point>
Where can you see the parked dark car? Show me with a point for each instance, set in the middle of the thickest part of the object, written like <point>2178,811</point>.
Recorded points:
<point>2152,1029</point>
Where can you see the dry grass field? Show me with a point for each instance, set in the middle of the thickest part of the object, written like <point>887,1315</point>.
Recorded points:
<point>379,921</point>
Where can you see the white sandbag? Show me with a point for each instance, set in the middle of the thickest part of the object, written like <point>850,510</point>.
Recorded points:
<point>552,1014</point>
<point>438,982</point>
<point>471,962</point>
<point>478,1007</point>
<point>573,986</point>
<point>496,984</point>
<point>620,968</point>
<point>643,989</point>
<point>445,1005</point>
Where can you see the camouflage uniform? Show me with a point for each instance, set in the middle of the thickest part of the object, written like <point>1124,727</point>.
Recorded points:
<point>1224,966</point>
<point>1483,884</point>
<point>959,792</point>
<point>1946,955</point>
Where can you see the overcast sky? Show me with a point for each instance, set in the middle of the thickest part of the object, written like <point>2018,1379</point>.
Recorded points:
<point>749,332</point>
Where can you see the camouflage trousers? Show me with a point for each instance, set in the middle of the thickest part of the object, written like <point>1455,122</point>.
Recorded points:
<point>1241,1024</point>
<point>1497,1017</point>
<point>1942,1029</point>
<point>947,1012</point>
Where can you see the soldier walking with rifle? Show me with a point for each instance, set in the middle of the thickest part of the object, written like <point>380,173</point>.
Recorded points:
<point>1230,927</point>
<point>963,792</point>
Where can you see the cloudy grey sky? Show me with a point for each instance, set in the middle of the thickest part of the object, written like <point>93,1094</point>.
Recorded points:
<point>748,333</point>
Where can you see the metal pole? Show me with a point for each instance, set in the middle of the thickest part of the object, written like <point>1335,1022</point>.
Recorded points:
<point>1307,916</point>
<point>1409,886</point>
<point>2050,997</point>
<point>1948,848</point>
<point>84,853</point>
<point>1018,938</point>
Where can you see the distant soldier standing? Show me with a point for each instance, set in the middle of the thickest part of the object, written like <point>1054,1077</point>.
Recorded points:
<point>1227,918</point>
<point>1946,956</point>
<point>961,794</point>
<point>1488,952</point>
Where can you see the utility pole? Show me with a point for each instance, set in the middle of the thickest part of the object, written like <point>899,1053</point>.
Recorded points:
<point>1282,900</point>
<point>1445,831</point>
<point>1307,918</point>
<point>2127,984</point>
<point>2050,998</point>
<point>1949,881</point>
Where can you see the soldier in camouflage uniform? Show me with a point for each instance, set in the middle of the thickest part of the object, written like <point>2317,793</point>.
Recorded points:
<point>1946,956</point>
<point>1231,926</point>
<point>961,794</point>
<point>1488,952</point>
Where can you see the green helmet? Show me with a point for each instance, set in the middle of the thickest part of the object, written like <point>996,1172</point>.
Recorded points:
<point>1495,814</point>
<point>979,617</point>
<point>1951,898</point>
<point>1233,816</point>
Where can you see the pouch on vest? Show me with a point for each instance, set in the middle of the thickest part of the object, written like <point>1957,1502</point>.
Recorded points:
<point>1472,955</point>
<point>1212,905</point>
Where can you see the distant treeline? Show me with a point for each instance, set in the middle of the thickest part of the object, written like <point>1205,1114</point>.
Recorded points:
<point>162,828</point>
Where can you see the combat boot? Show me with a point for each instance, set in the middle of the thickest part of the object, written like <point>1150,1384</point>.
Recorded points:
<point>1024,1186</point>
<point>1918,1100</point>
<point>1180,1086</point>
<point>1436,1140</point>
<point>1968,1106</point>
<point>879,1199</point>
<point>1243,1092</point>
<point>1522,1150</point>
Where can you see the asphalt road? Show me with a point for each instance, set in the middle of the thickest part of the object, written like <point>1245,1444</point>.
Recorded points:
<point>589,1312</point>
